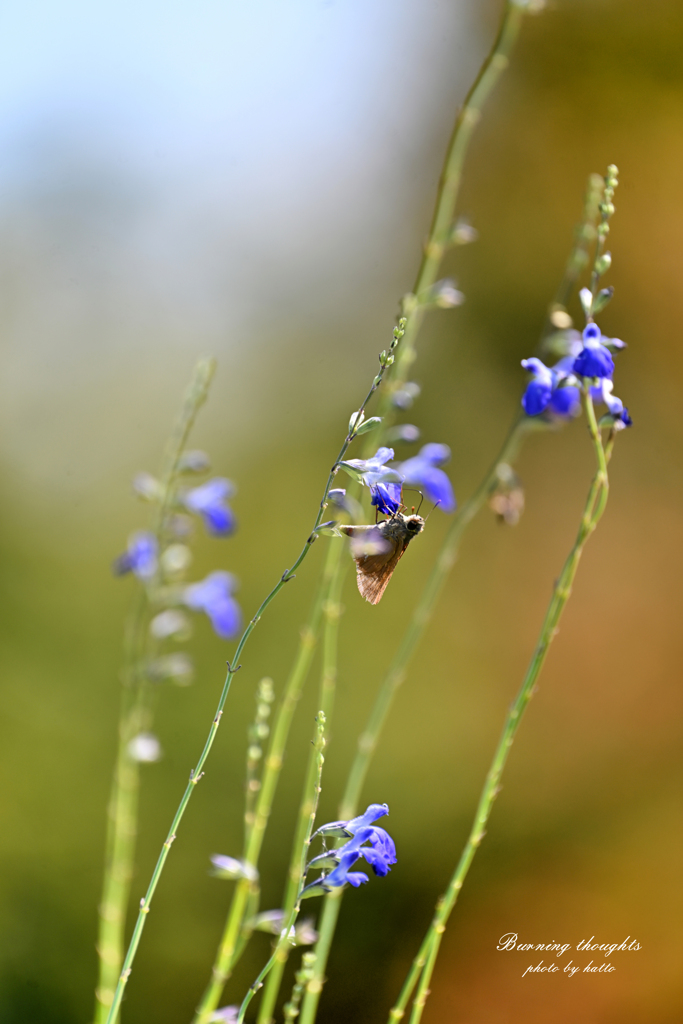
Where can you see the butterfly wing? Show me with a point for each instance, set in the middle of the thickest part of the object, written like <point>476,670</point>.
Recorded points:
<point>373,571</point>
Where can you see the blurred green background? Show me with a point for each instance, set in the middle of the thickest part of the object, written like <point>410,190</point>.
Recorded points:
<point>255,181</point>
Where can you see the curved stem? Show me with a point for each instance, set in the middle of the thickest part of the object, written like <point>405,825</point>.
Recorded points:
<point>310,806</point>
<point>422,613</point>
<point>226,955</point>
<point>328,679</point>
<point>449,185</point>
<point>593,510</point>
<point>369,738</point>
<point>438,241</point>
<point>196,773</point>
<point>135,716</point>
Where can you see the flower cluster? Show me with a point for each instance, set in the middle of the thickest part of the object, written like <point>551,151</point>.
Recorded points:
<point>386,482</point>
<point>365,839</point>
<point>556,390</point>
<point>159,560</point>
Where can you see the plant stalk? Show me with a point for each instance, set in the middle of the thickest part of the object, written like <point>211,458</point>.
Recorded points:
<point>423,964</point>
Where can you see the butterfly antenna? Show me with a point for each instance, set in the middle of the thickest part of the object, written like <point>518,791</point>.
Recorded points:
<point>436,503</point>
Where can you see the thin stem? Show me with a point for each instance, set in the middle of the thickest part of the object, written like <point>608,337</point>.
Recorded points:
<point>135,716</point>
<point>593,510</point>
<point>291,1009</point>
<point>414,308</point>
<point>369,738</point>
<point>197,772</point>
<point>578,258</point>
<point>311,804</point>
<point>226,956</point>
<point>422,613</point>
<point>328,679</point>
<point>439,238</point>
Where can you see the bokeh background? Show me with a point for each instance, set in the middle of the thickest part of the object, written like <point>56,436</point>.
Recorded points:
<point>254,181</point>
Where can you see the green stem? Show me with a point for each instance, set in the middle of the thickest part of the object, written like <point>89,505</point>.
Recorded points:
<point>438,241</point>
<point>579,256</point>
<point>227,950</point>
<point>593,510</point>
<point>328,679</point>
<point>197,772</point>
<point>369,738</point>
<point>311,805</point>
<point>422,613</point>
<point>291,1009</point>
<point>449,185</point>
<point>135,716</point>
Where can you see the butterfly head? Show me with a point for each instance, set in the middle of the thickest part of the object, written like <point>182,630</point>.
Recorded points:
<point>414,524</point>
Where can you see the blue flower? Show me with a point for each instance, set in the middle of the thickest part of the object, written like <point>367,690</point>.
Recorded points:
<point>344,829</point>
<point>213,596</point>
<point>539,390</point>
<point>209,501</point>
<point>565,402</point>
<point>602,392</point>
<point>384,483</point>
<point>545,391</point>
<point>595,359</point>
<point>381,853</point>
<point>387,497</point>
<point>141,557</point>
<point>339,876</point>
<point>372,471</point>
<point>342,874</point>
<point>330,858</point>
<point>422,471</point>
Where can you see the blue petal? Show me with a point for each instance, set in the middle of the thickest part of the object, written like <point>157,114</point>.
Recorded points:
<point>434,454</point>
<point>213,596</point>
<point>356,878</point>
<point>371,814</point>
<point>140,558</point>
<point>536,398</point>
<point>338,876</point>
<point>538,369</point>
<point>594,362</point>
<point>383,852</point>
<point>591,333</point>
<point>218,520</point>
<point>373,464</point>
<point>377,862</point>
<point>565,401</point>
<point>423,473</point>
<point>226,618</point>
<point>208,501</point>
<point>387,498</point>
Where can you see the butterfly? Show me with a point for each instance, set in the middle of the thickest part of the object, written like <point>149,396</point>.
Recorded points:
<point>377,550</point>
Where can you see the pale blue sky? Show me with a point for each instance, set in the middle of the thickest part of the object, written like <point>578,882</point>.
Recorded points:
<point>177,177</point>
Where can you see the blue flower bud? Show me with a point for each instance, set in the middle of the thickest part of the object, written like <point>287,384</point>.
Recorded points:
<point>225,1015</point>
<point>144,748</point>
<point>406,432</point>
<point>404,396</point>
<point>232,868</point>
<point>194,462</point>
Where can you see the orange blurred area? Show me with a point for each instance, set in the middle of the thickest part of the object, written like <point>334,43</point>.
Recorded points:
<point>287,262</point>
